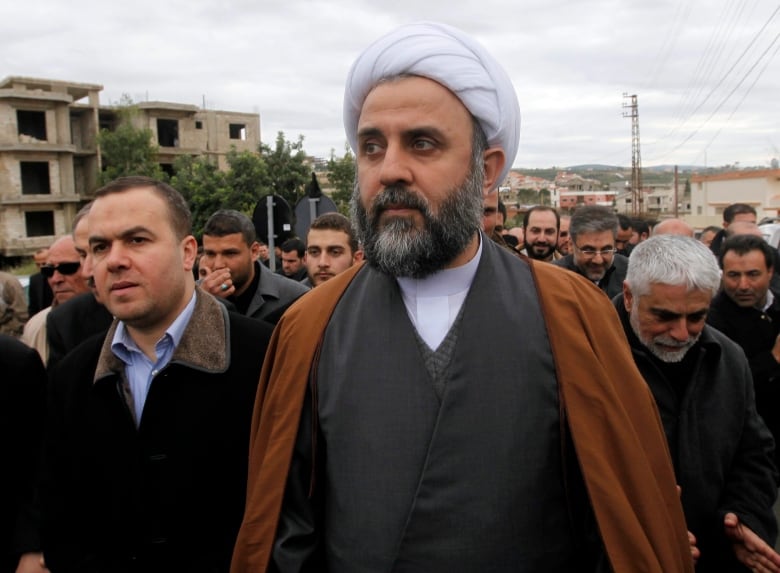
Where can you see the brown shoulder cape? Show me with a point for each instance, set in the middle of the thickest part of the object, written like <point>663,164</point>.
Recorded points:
<point>613,419</point>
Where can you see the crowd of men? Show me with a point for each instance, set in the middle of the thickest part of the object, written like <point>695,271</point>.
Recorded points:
<point>417,389</point>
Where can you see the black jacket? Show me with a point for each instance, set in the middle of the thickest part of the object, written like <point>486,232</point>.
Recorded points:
<point>21,420</point>
<point>721,449</point>
<point>168,495</point>
<point>755,331</point>
<point>72,322</point>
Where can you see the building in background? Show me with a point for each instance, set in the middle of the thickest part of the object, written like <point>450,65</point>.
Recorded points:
<point>710,194</point>
<point>49,156</point>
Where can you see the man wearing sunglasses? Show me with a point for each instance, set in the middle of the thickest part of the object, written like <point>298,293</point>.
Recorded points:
<point>593,235</point>
<point>70,324</point>
<point>62,272</point>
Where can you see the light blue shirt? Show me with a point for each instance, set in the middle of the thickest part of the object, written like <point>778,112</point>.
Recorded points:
<point>139,370</point>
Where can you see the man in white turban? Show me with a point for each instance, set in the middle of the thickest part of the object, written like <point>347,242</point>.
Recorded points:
<point>399,424</point>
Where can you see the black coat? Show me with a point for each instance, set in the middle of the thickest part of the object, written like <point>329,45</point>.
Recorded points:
<point>168,495</point>
<point>39,294</point>
<point>721,449</point>
<point>755,331</point>
<point>21,419</point>
<point>72,322</point>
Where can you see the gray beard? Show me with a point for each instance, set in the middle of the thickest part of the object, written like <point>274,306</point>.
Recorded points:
<point>399,247</point>
<point>650,343</point>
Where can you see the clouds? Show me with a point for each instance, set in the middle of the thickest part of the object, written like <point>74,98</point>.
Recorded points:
<point>569,61</point>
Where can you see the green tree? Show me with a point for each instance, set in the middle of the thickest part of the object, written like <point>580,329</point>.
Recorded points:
<point>341,176</point>
<point>248,180</point>
<point>286,168</point>
<point>128,150</point>
<point>204,187</point>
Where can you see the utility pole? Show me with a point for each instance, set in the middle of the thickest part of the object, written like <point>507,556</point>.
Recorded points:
<point>637,201</point>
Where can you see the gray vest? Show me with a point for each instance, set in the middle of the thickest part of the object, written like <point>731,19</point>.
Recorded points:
<point>469,481</point>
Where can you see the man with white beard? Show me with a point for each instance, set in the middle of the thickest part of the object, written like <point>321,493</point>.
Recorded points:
<point>721,449</point>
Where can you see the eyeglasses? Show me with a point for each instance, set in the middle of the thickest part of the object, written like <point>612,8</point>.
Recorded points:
<point>594,252</point>
<point>62,268</point>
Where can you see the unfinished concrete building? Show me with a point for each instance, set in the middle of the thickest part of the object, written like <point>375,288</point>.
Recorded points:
<point>49,156</point>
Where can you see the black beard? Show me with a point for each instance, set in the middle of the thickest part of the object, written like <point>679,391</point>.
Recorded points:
<point>399,247</point>
<point>534,255</point>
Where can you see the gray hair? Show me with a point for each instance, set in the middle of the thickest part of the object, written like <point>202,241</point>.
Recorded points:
<point>593,219</point>
<point>672,260</point>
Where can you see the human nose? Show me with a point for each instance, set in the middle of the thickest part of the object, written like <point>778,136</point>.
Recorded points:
<point>57,277</point>
<point>679,330</point>
<point>216,262</point>
<point>744,283</point>
<point>116,257</point>
<point>86,267</point>
<point>394,167</point>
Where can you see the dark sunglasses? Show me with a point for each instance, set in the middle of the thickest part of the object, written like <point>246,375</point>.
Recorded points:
<point>63,268</point>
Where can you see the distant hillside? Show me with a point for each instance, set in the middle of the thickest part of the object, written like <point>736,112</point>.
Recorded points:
<point>653,175</point>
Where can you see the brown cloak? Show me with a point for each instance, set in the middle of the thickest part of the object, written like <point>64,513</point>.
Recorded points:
<point>613,419</point>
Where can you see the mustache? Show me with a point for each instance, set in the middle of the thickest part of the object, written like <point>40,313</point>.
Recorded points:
<point>669,341</point>
<point>398,196</point>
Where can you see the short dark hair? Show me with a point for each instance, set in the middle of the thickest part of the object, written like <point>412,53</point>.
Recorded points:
<point>713,228</point>
<point>592,219</point>
<point>737,209</point>
<point>336,222</point>
<point>179,212</point>
<point>83,212</point>
<point>640,226</point>
<point>229,222</point>
<point>294,244</point>
<point>624,222</point>
<point>541,208</point>
<point>743,244</point>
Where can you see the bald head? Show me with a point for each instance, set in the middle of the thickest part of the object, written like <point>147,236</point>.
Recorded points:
<point>673,227</point>
<point>62,270</point>
<point>743,228</point>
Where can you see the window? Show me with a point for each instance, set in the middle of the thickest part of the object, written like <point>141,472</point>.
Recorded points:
<point>238,131</point>
<point>35,178</point>
<point>32,123</point>
<point>39,223</point>
<point>168,169</point>
<point>168,132</point>
<point>198,125</point>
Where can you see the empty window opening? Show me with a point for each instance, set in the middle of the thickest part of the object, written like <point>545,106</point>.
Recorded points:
<point>168,132</point>
<point>198,125</point>
<point>35,178</point>
<point>238,131</point>
<point>168,169</point>
<point>39,223</point>
<point>32,124</point>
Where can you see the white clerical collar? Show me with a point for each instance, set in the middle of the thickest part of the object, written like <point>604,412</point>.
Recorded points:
<point>433,303</point>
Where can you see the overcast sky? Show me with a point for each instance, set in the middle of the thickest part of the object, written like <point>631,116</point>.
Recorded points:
<point>706,71</point>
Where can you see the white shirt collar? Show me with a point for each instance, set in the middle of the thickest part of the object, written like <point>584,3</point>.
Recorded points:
<point>433,303</point>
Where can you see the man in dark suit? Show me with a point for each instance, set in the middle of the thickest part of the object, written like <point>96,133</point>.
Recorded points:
<point>148,427</point>
<point>21,421</point>
<point>83,316</point>
<point>231,252</point>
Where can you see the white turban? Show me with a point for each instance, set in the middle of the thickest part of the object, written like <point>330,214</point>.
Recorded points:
<point>450,57</point>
